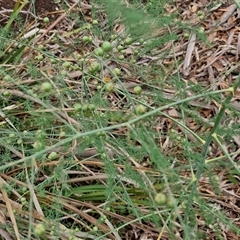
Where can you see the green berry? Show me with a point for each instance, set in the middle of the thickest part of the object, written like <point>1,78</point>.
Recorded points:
<point>41,47</point>
<point>85,39</point>
<point>186,35</point>
<point>52,61</point>
<point>91,107</point>
<point>40,57</point>
<point>215,178</point>
<point>141,109</point>
<point>160,199</point>
<point>117,71</point>
<point>39,230</point>
<point>95,22</point>
<point>114,36</point>
<point>46,20</point>
<point>90,39</point>
<point>137,90</point>
<point>67,64</point>
<point>141,40</point>
<point>128,41</point>
<point>106,46</point>
<point>85,107</point>
<point>38,146</point>
<point>95,228</point>
<point>135,52</point>
<point>53,156</point>
<point>19,141</point>
<point>171,202</point>
<point>46,87</point>
<point>201,30</point>
<point>120,47</point>
<point>25,132</point>
<point>77,107</point>
<point>94,67</point>
<point>99,51</point>
<point>40,134</point>
<point>6,93</point>
<point>23,200</point>
<point>121,57</point>
<point>12,135</point>
<point>109,87</point>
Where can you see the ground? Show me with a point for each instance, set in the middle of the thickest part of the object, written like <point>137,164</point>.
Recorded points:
<point>41,8</point>
<point>137,141</point>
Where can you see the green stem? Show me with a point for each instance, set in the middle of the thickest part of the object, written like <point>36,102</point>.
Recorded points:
<point>226,153</point>
<point>216,126</point>
<point>117,126</point>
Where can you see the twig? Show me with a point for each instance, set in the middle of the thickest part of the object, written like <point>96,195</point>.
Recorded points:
<point>55,23</point>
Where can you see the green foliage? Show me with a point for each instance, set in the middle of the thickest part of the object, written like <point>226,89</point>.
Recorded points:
<point>59,103</point>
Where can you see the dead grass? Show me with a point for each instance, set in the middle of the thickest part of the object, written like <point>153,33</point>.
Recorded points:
<point>108,179</point>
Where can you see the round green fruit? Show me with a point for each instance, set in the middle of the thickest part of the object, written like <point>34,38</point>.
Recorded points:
<point>6,93</point>
<point>107,46</point>
<point>160,199</point>
<point>171,202</point>
<point>77,107</point>
<point>109,87</point>
<point>99,51</point>
<point>38,146</point>
<point>117,71</point>
<point>120,48</point>
<point>128,41</point>
<point>67,64</point>
<point>95,228</point>
<point>52,156</point>
<point>46,20</point>
<point>201,30</point>
<point>186,35</point>
<point>121,57</point>
<point>39,230</point>
<point>85,39</point>
<point>19,141</point>
<point>46,87</point>
<point>94,67</point>
<point>137,90</point>
<point>141,109</point>
<point>141,40</point>
<point>40,134</point>
<point>91,107</point>
<point>40,57</point>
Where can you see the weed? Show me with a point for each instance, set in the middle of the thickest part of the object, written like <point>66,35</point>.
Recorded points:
<point>102,134</point>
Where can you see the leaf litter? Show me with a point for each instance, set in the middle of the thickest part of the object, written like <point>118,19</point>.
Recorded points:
<point>212,62</point>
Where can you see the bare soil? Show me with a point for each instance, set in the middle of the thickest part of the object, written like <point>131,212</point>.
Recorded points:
<point>40,8</point>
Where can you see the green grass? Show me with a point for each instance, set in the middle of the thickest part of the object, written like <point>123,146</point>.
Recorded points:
<point>93,170</point>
